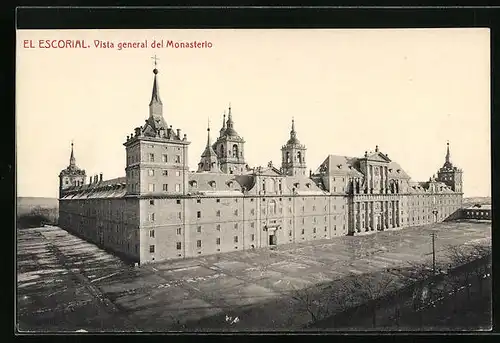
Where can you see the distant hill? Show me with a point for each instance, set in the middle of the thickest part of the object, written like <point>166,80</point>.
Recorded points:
<point>476,200</point>
<point>26,204</point>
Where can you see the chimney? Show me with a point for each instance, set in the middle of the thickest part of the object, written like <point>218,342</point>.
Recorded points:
<point>310,172</point>
<point>179,133</point>
<point>95,178</point>
<point>90,179</point>
<point>100,177</point>
<point>185,137</point>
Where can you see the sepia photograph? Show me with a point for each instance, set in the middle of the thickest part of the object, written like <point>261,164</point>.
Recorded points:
<point>253,180</point>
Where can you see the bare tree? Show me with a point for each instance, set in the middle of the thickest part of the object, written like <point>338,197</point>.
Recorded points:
<point>365,288</point>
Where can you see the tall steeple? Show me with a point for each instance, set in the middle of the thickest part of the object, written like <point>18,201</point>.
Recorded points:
<point>155,97</point>
<point>223,129</point>
<point>448,152</point>
<point>293,135</point>
<point>72,160</point>
<point>155,124</point>
<point>208,160</point>
<point>230,131</point>
<point>293,155</point>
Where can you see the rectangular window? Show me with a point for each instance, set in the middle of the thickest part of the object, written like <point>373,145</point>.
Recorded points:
<point>152,233</point>
<point>303,231</point>
<point>235,226</point>
<point>151,249</point>
<point>165,187</point>
<point>290,233</point>
<point>325,228</point>
<point>235,239</point>
<point>198,229</point>
<point>217,241</point>
<point>179,231</point>
<point>177,173</point>
<point>151,187</point>
<point>198,201</point>
<point>179,215</point>
<point>178,202</point>
<point>151,202</point>
<point>198,243</point>
<point>165,173</point>
<point>314,207</point>
<point>198,214</point>
<point>179,245</point>
<point>177,158</point>
<point>314,230</point>
<point>252,211</point>
<point>151,157</point>
<point>217,213</point>
<point>253,237</point>
<point>151,172</point>
<point>151,217</point>
<point>218,227</point>
<point>217,200</point>
<point>235,212</point>
<point>252,224</point>
<point>165,158</point>
<point>177,188</point>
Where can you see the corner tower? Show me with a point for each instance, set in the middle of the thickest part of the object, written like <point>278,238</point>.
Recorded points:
<point>449,174</point>
<point>293,155</point>
<point>157,155</point>
<point>229,148</point>
<point>71,175</point>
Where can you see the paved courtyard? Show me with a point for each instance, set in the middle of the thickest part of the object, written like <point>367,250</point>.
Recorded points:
<point>67,284</point>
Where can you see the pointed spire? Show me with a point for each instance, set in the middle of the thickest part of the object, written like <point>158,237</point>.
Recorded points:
<point>447,152</point>
<point>230,131</point>
<point>293,134</point>
<point>72,161</point>
<point>208,133</point>
<point>155,96</point>
<point>229,118</point>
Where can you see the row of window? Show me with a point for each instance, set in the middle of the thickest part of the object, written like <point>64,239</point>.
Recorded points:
<point>165,188</point>
<point>151,216</point>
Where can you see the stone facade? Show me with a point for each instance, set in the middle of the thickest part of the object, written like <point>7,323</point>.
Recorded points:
<point>160,210</point>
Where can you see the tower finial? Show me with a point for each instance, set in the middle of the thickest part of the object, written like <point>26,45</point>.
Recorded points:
<point>155,97</point>
<point>72,161</point>
<point>448,151</point>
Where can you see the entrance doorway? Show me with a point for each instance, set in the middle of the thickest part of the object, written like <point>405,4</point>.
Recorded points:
<point>272,239</point>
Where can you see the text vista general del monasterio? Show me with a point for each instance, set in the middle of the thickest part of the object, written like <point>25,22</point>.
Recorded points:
<point>103,44</point>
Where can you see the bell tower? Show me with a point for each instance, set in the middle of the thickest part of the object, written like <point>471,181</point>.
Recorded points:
<point>157,155</point>
<point>72,175</point>
<point>293,155</point>
<point>449,174</point>
<point>229,148</point>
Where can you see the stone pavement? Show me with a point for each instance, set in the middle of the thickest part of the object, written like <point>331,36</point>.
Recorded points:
<point>66,284</point>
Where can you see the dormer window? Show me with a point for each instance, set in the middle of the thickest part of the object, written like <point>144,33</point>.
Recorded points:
<point>194,184</point>
<point>212,184</point>
<point>308,185</point>
<point>230,183</point>
<point>398,171</point>
<point>339,166</point>
<point>390,170</point>
<point>296,184</point>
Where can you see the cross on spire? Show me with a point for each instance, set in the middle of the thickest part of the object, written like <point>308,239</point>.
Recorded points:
<point>155,59</point>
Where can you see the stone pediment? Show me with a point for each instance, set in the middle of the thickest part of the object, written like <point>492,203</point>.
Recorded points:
<point>268,171</point>
<point>378,157</point>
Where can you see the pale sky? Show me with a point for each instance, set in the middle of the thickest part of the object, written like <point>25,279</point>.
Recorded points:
<point>407,91</point>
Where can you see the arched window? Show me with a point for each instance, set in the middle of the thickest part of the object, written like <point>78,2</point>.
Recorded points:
<point>221,150</point>
<point>272,207</point>
<point>264,185</point>
<point>299,156</point>
<point>235,151</point>
<point>287,157</point>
